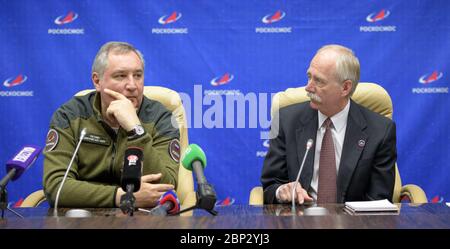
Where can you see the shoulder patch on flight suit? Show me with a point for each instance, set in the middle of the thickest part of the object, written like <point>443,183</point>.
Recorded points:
<point>52,140</point>
<point>174,150</point>
<point>96,139</point>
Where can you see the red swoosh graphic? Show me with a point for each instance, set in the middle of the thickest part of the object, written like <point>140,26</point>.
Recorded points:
<point>275,16</point>
<point>224,79</point>
<point>380,15</point>
<point>171,18</point>
<point>432,77</point>
<point>17,80</point>
<point>68,18</point>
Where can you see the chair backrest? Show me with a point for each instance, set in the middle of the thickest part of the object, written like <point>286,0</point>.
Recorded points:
<point>172,101</point>
<point>370,95</point>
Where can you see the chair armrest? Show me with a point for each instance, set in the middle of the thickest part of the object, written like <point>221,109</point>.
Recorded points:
<point>256,196</point>
<point>414,193</point>
<point>34,199</point>
<point>189,201</point>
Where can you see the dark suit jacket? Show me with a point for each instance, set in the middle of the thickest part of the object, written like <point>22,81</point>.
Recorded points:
<point>367,167</point>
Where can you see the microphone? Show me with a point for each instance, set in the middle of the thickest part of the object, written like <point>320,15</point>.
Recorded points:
<point>82,134</point>
<point>309,144</point>
<point>20,163</point>
<point>130,181</point>
<point>167,204</point>
<point>132,169</point>
<point>194,159</point>
<point>15,168</point>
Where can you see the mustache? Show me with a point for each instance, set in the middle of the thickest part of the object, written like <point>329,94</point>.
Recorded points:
<point>314,97</point>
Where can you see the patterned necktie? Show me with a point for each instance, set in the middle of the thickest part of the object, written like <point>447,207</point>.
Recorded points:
<point>327,167</point>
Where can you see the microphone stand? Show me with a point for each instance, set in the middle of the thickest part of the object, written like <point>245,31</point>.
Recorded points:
<point>72,212</point>
<point>309,144</point>
<point>4,194</point>
<point>206,200</point>
<point>127,201</point>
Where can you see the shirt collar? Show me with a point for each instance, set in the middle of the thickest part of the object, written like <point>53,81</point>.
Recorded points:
<point>339,119</point>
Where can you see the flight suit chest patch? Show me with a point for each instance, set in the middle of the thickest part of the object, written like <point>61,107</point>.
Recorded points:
<point>52,140</point>
<point>96,139</point>
<point>174,150</point>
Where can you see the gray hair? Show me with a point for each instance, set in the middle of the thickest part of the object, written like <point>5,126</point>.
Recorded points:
<point>101,59</point>
<point>347,64</point>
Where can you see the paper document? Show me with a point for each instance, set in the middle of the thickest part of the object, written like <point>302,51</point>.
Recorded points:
<point>371,206</point>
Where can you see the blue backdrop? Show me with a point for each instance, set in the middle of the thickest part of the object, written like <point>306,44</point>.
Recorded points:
<point>214,49</point>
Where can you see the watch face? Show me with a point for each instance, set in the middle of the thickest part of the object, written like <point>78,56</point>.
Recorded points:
<point>139,130</point>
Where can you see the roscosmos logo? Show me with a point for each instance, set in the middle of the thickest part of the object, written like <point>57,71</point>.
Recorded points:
<point>61,21</point>
<point>222,80</point>
<point>431,83</point>
<point>175,16</point>
<point>375,17</point>
<point>65,19</point>
<point>18,80</point>
<point>12,82</point>
<point>271,18</point>
<point>170,30</point>
<point>430,77</point>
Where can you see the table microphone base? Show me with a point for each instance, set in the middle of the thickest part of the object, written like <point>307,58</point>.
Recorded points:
<point>212,211</point>
<point>315,211</point>
<point>78,213</point>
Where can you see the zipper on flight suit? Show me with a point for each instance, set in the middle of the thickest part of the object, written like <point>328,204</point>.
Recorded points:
<point>113,156</point>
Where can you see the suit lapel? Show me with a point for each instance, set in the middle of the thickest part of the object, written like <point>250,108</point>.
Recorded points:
<point>354,142</point>
<point>306,130</point>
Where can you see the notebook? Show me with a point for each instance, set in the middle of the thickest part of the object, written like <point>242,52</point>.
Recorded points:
<point>371,206</point>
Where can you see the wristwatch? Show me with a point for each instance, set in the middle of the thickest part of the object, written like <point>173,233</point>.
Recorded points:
<point>135,132</point>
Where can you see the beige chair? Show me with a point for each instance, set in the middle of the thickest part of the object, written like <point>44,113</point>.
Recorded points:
<point>34,199</point>
<point>369,95</point>
<point>172,101</point>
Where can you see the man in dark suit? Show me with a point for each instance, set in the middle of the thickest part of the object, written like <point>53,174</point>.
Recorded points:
<point>354,152</point>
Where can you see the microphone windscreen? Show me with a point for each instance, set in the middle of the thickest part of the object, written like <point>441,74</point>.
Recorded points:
<point>23,160</point>
<point>193,153</point>
<point>171,197</point>
<point>132,168</point>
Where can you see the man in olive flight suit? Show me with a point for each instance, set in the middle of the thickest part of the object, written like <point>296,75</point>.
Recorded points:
<point>116,116</point>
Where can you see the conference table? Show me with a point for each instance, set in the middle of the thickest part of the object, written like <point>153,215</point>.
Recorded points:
<point>332,216</point>
<point>235,226</point>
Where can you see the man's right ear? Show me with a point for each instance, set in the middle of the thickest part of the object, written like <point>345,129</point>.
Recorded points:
<point>96,81</point>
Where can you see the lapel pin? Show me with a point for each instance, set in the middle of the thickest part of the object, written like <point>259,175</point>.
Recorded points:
<point>361,143</point>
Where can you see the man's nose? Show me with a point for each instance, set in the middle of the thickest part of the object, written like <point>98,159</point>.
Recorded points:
<point>309,86</point>
<point>131,83</point>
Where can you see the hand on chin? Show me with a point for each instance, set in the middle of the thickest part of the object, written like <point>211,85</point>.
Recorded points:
<point>134,101</point>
